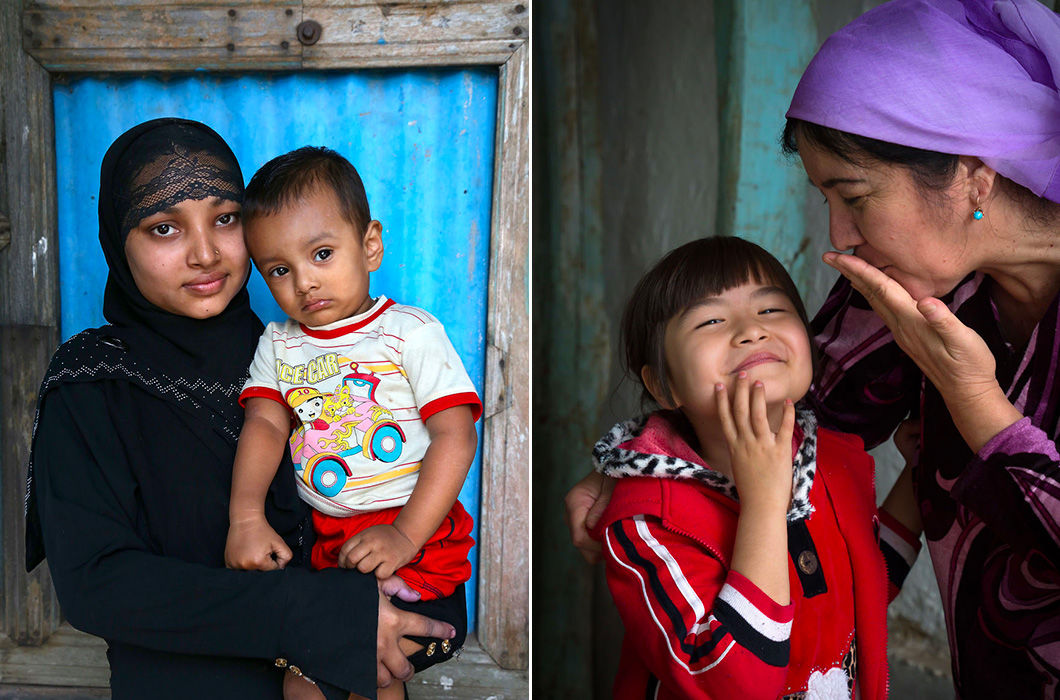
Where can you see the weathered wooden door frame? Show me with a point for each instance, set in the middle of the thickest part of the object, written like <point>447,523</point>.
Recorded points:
<point>42,38</point>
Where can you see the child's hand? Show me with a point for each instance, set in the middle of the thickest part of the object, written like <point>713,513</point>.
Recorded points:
<point>253,544</point>
<point>907,439</point>
<point>761,459</point>
<point>381,548</point>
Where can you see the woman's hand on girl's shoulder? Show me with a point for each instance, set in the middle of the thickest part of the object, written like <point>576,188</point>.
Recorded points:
<point>583,506</point>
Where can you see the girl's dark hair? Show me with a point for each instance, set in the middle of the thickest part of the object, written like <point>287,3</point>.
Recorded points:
<point>692,272</point>
<point>286,178</point>
<point>931,171</point>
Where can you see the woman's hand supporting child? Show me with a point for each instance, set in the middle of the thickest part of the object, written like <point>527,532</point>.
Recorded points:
<point>761,468</point>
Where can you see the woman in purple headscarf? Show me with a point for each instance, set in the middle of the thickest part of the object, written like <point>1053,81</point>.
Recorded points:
<point>932,127</point>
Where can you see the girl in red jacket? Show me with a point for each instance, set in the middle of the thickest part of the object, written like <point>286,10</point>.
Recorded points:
<point>741,540</point>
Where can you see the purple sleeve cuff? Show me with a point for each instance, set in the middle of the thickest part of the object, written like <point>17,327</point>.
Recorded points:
<point>1021,436</point>
<point>1011,485</point>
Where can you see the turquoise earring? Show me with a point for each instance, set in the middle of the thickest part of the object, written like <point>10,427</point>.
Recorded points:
<point>977,213</point>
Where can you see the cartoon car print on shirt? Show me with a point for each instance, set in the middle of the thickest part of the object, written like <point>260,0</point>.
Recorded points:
<point>338,426</point>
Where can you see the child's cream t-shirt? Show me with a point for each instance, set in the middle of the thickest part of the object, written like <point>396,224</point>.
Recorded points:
<point>359,391</point>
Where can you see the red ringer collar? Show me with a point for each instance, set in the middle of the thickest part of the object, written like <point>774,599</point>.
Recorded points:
<point>349,328</point>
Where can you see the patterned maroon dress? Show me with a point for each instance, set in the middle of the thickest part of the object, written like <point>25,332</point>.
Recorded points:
<point>992,519</point>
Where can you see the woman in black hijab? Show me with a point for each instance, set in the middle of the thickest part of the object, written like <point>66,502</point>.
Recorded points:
<point>132,457</point>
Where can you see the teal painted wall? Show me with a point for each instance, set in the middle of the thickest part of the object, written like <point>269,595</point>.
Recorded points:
<point>763,47</point>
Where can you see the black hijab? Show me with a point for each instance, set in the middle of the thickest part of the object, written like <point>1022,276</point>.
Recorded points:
<point>197,364</point>
<point>150,168</point>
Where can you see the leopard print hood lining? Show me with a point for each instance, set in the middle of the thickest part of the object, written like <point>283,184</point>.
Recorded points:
<point>653,446</point>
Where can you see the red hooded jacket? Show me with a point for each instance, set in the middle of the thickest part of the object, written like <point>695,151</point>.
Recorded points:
<point>696,629</point>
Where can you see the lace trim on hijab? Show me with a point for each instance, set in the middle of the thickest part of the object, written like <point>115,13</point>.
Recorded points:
<point>612,460</point>
<point>176,176</point>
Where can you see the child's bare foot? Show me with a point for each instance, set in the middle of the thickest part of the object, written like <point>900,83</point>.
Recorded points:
<point>298,688</point>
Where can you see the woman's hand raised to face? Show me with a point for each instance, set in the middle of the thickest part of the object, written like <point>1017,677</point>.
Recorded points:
<point>952,356</point>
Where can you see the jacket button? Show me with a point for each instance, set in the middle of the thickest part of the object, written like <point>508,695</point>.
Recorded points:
<point>430,648</point>
<point>808,563</point>
<point>281,662</point>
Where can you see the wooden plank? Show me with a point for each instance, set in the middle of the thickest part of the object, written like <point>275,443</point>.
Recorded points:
<point>68,658</point>
<point>171,37</point>
<point>472,675</point>
<point>74,660</point>
<point>487,52</point>
<point>28,267</point>
<point>504,557</point>
<point>106,5</point>
<point>23,692</point>
<point>31,612</point>
<point>28,313</point>
<point>405,5</point>
<point>168,27</point>
<point>355,23</point>
<point>136,35</point>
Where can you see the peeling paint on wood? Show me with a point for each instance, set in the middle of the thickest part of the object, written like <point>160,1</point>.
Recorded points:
<point>504,556</point>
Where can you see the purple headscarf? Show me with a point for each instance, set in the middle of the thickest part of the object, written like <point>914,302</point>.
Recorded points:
<point>965,77</point>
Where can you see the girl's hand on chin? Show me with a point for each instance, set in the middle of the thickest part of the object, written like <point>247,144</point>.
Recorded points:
<point>760,458</point>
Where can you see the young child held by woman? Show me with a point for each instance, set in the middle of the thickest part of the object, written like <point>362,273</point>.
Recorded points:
<point>382,411</point>
<point>741,540</point>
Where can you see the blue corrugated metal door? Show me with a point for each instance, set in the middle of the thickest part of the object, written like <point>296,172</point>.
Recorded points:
<point>422,140</point>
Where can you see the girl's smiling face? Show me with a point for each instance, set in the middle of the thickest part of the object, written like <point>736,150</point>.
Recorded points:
<point>752,328</point>
<point>190,259</point>
<point>878,213</point>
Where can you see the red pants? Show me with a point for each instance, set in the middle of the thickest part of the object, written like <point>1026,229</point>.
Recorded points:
<point>434,572</point>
